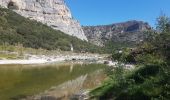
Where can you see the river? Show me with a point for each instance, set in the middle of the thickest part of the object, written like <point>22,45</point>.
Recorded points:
<point>48,80</point>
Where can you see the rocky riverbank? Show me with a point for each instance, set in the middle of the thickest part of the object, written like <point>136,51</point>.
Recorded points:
<point>42,59</point>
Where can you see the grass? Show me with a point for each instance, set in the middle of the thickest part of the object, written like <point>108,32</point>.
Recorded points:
<point>8,56</point>
<point>19,49</point>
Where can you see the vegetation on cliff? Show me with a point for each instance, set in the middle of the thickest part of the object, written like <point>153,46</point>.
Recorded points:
<point>16,29</point>
<point>118,35</point>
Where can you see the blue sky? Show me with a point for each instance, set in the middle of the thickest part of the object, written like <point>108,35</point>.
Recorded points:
<point>99,12</point>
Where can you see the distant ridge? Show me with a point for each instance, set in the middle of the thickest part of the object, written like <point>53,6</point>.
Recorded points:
<point>130,32</point>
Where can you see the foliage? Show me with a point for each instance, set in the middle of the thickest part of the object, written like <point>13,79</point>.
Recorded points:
<point>162,23</point>
<point>16,29</point>
<point>150,80</point>
<point>112,46</point>
<point>145,83</point>
<point>123,55</point>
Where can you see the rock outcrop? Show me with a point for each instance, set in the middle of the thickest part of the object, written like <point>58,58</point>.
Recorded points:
<point>127,32</point>
<point>54,13</point>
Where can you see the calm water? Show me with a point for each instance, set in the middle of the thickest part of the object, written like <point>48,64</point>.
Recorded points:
<point>19,81</point>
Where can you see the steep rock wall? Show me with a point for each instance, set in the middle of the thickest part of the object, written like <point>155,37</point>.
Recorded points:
<point>54,13</point>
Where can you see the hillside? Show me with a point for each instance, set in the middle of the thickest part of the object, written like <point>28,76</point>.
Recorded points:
<point>117,35</point>
<point>54,13</point>
<point>16,29</point>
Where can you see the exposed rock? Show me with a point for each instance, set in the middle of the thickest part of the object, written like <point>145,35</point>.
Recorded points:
<point>130,31</point>
<point>54,13</point>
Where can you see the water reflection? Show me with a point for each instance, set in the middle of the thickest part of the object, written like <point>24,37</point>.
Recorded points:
<point>64,90</point>
<point>18,81</point>
<point>71,67</point>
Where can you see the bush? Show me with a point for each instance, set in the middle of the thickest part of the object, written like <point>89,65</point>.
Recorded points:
<point>145,83</point>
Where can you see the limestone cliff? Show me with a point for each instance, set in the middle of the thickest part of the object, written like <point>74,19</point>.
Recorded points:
<point>126,32</point>
<point>54,13</point>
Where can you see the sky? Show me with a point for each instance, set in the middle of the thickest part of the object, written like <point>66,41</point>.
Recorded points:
<point>103,12</point>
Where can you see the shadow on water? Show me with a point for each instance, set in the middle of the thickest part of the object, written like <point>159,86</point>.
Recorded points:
<point>20,81</point>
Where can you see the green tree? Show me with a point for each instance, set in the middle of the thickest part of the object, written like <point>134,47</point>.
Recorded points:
<point>163,22</point>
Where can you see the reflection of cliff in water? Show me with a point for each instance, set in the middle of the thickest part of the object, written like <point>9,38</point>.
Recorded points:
<point>55,80</point>
<point>72,88</point>
<point>64,90</point>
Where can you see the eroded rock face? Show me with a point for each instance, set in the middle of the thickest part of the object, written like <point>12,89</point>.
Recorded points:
<point>127,32</point>
<point>54,13</point>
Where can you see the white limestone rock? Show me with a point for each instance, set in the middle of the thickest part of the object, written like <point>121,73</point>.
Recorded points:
<point>54,13</point>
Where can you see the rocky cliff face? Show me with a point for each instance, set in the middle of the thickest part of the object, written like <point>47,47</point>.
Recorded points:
<point>54,13</point>
<point>127,32</point>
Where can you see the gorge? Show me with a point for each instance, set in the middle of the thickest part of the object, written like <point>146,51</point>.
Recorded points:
<point>46,54</point>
